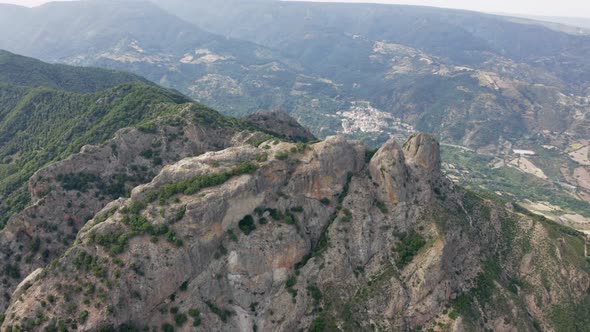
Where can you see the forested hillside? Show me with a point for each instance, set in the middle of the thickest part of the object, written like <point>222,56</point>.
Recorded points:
<point>43,118</point>
<point>22,71</point>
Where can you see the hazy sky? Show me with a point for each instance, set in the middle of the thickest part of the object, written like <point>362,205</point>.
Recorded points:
<point>574,8</point>
<point>25,2</point>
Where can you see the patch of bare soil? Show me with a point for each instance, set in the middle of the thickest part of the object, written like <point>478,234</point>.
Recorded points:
<point>581,156</point>
<point>527,166</point>
<point>582,176</point>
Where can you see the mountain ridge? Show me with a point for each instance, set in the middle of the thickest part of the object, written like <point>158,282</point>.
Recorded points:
<point>61,144</point>
<point>252,248</point>
<point>29,72</point>
<point>359,71</point>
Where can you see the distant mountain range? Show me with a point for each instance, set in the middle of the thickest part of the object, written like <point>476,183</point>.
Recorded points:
<point>577,22</point>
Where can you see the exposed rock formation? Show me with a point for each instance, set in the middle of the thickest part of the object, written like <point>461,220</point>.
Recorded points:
<point>69,193</point>
<point>283,237</point>
<point>279,123</point>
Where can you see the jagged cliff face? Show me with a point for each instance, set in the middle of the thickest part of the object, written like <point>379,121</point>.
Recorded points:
<point>67,194</point>
<point>325,236</point>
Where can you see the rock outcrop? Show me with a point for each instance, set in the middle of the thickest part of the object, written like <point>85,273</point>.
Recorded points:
<point>281,124</point>
<point>67,194</point>
<point>285,236</point>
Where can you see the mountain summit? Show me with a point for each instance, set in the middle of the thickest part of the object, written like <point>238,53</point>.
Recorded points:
<point>281,236</point>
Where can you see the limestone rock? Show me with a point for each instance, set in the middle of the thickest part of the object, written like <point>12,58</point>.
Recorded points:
<point>283,237</point>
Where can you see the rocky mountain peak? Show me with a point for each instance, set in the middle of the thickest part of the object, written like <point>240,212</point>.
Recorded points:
<point>424,150</point>
<point>408,172</point>
<point>285,236</point>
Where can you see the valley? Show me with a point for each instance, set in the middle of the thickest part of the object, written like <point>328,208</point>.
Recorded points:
<point>516,178</point>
